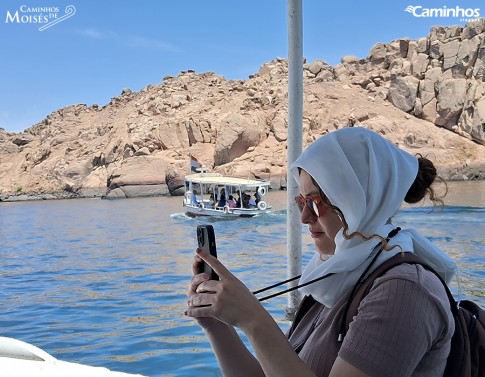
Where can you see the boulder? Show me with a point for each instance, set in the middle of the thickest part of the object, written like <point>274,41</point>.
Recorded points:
<point>235,134</point>
<point>450,100</point>
<point>175,182</point>
<point>403,92</point>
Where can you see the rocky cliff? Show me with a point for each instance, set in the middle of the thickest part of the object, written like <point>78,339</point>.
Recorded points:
<point>427,96</point>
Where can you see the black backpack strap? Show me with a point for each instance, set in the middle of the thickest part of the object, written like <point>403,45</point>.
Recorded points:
<point>305,306</point>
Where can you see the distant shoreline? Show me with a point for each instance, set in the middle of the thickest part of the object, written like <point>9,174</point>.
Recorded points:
<point>63,195</point>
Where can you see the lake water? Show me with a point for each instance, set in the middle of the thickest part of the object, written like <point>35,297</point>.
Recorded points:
<point>102,282</point>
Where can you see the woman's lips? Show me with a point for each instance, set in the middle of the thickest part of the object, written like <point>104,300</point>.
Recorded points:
<point>316,234</point>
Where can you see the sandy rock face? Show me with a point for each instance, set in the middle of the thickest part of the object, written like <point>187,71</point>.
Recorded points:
<point>427,96</point>
<point>439,78</point>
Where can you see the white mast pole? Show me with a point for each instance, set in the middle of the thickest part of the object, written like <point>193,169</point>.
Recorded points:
<point>294,147</point>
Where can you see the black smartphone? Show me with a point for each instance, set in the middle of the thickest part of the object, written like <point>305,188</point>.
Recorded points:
<point>206,239</point>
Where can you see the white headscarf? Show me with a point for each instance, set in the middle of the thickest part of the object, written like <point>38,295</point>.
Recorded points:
<point>367,178</point>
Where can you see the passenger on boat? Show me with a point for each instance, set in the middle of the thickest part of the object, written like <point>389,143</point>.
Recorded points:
<point>352,182</point>
<point>214,198</point>
<point>257,196</point>
<point>245,200</point>
<point>194,200</point>
<point>231,202</point>
<point>222,201</point>
<point>252,202</point>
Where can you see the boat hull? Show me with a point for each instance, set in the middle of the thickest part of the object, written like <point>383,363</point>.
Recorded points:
<point>195,211</point>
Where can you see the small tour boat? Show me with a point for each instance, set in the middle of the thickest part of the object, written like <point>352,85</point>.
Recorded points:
<point>212,194</point>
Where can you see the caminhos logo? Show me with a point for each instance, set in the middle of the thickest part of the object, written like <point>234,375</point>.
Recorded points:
<point>44,16</point>
<point>465,14</point>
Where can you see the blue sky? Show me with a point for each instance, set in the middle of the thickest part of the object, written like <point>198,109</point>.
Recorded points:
<point>106,46</point>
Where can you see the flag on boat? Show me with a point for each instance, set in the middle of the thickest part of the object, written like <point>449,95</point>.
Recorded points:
<point>195,165</point>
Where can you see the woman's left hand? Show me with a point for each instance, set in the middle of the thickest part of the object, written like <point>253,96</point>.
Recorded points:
<point>227,299</point>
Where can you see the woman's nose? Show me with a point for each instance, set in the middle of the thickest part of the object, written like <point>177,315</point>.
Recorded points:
<point>307,216</point>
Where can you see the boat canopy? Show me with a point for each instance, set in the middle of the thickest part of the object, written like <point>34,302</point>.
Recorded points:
<point>218,179</point>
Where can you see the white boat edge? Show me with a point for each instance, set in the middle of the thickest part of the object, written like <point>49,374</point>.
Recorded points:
<point>18,358</point>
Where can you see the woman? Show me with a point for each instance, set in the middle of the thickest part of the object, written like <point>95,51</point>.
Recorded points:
<point>352,182</point>
<point>231,202</point>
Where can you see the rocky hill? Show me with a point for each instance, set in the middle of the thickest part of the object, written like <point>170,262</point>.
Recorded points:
<point>426,95</point>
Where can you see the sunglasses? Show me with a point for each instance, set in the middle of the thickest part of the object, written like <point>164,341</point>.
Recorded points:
<point>313,202</point>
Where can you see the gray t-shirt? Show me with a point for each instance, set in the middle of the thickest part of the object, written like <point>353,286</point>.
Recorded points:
<point>403,328</point>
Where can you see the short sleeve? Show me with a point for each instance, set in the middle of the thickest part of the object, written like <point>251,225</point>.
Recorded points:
<point>400,326</point>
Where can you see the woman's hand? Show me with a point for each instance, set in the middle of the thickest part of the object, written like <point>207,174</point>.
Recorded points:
<point>227,299</point>
<point>198,278</point>
<point>229,302</point>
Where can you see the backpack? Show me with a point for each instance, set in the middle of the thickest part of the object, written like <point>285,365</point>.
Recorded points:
<point>467,353</point>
